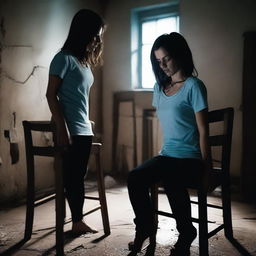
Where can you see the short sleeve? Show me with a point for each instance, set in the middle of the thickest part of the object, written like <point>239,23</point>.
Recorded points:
<point>59,65</point>
<point>198,96</point>
<point>155,96</point>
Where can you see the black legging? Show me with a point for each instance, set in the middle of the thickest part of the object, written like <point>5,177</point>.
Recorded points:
<point>174,173</point>
<point>75,161</point>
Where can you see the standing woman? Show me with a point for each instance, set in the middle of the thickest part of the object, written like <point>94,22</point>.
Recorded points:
<point>70,79</point>
<point>180,99</point>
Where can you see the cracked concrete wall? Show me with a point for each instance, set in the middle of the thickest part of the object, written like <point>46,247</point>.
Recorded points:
<point>31,32</point>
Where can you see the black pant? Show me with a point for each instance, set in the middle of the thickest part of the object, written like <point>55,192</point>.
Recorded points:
<point>174,174</point>
<point>75,161</point>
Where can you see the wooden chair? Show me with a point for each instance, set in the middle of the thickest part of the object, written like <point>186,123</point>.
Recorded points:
<point>220,176</point>
<point>55,151</point>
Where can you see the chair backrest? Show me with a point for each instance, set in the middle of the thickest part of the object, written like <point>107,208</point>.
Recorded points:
<point>31,149</point>
<point>224,139</point>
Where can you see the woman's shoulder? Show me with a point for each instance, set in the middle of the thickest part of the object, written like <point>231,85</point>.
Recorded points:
<point>62,55</point>
<point>194,82</point>
<point>156,88</point>
<point>61,58</point>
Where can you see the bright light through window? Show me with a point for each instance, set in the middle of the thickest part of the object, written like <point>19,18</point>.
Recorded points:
<point>147,23</point>
<point>150,31</point>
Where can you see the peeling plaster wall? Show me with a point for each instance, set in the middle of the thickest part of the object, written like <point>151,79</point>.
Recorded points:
<point>214,30</point>
<point>31,32</point>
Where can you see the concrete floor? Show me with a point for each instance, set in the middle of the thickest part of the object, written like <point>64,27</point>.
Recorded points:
<point>122,229</point>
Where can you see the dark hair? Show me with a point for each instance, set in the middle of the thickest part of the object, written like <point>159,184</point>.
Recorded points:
<point>85,25</point>
<point>178,49</point>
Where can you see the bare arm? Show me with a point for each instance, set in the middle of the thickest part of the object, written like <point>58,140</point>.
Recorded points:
<point>57,115</point>
<point>203,128</point>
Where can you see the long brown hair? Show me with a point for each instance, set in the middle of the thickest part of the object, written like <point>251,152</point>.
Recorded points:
<point>85,26</point>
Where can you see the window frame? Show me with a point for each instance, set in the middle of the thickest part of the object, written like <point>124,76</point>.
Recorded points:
<point>138,16</point>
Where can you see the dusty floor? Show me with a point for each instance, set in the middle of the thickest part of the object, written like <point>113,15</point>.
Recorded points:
<point>122,230</point>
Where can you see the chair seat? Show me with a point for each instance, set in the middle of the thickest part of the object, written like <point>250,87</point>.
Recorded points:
<point>215,180</point>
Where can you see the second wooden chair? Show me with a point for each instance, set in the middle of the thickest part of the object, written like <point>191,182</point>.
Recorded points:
<point>55,151</point>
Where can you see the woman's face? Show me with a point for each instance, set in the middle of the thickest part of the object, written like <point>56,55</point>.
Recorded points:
<point>166,62</point>
<point>96,41</point>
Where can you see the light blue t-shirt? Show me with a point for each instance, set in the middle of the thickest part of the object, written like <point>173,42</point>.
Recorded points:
<point>74,91</point>
<point>176,114</point>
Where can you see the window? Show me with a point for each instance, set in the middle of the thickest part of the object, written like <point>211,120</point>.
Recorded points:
<point>147,24</point>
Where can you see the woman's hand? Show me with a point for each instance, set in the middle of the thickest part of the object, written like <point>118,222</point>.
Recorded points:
<point>62,137</point>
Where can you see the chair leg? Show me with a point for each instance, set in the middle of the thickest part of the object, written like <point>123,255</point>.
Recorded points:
<point>30,198</point>
<point>59,206</point>
<point>227,217</point>
<point>154,199</point>
<point>203,224</point>
<point>102,195</point>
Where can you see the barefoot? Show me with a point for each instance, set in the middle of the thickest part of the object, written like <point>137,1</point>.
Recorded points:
<point>79,228</point>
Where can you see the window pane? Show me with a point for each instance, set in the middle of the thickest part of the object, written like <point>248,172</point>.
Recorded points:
<point>148,79</point>
<point>150,31</point>
<point>166,25</point>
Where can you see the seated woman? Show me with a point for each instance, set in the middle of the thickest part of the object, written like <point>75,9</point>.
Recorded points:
<point>180,99</point>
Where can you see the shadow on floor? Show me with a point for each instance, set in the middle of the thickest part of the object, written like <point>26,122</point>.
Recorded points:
<point>122,230</point>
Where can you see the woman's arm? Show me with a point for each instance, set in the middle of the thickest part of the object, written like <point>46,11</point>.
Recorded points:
<point>57,115</point>
<point>203,128</point>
